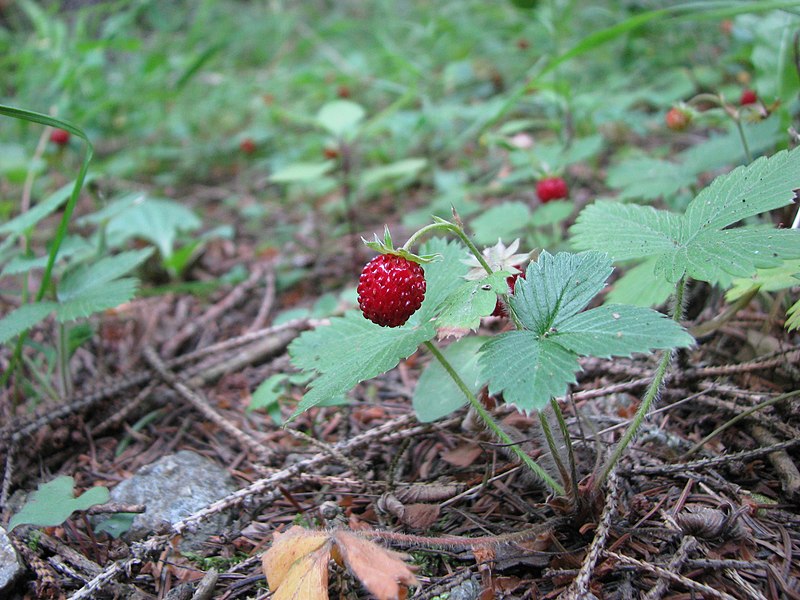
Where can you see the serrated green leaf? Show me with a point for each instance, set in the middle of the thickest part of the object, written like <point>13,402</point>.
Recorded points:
<point>649,178</point>
<point>552,213</point>
<point>86,277</point>
<point>767,280</point>
<point>28,219</point>
<point>53,502</point>
<point>23,318</point>
<point>350,350</point>
<point>626,231</point>
<point>793,317</point>
<point>500,222</point>
<point>436,395</point>
<point>763,185</point>
<point>640,286</point>
<point>97,299</point>
<point>527,370</point>
<point>300,172</point>
<point>618,330</point>
<point>340,116</point>
<point>697,243</point>
<point>156,220</point>
<point>472,300</point>
<point>557,287</point>
<point>409,167</point>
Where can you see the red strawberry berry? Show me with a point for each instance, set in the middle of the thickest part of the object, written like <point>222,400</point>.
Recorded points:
<point>247,146</point>
<point>748,97</point>
<point>391,289</point>
<point>60,137</point>
<point>551,188</point>
<point>677,119</point>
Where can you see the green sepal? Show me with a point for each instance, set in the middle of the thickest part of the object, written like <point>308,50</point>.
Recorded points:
<point>387,247</point>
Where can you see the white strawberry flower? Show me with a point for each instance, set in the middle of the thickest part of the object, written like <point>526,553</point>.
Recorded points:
<point>499,257</point>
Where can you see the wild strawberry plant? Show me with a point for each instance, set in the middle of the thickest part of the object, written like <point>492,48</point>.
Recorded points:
<point>529,366</point>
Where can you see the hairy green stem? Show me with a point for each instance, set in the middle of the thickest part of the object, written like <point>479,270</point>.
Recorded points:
<point>742,137</point>
<point>551,443</point>
<point>650,394</point>
<point>490,422</point>
<point>562,425</point>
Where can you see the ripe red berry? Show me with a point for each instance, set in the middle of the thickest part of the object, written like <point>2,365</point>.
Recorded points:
<point>330,153</point>
<point>551,188</point>
<point>677,119</point>
<point>247,146</point>
<point>391,289</point>
<point>748,97</point>
<point>59,137</point>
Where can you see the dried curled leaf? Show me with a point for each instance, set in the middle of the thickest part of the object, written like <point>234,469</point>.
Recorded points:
<point>296,566</point>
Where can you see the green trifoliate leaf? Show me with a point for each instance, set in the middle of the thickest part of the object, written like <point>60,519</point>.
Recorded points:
<point>557,287</point>
<point>96,299</point>
<point>639,287</point>
<point>53,502</point>
<point>81,280</point>
<point>436,394</point>
<point>698,243</point>
<point>527,369</point>
<point>767,280</point>
<point>464,308</point>
<point>618,330</point>
<point>530,366</point>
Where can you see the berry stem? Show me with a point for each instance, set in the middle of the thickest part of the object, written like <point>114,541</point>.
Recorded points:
<point>562,425</point>
<point>442,225</point>
<point>491,423</point>
<point>650,394</point>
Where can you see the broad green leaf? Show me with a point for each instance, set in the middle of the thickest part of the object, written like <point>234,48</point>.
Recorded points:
<point>350,350</point>
<point>640,286</point>
<point>764,185</point>
<point>340,116</point>
<point>436,394</point>
<point>39,211</point>
<point>53,502</point>
<point>116,525</point>
<point>472,300</point>
<point>500,222</point>
<point>267,394</point>
<point>300,172</point>
<point>557,287</point>
<point>157,220</point>
<point>698,242</point>
<point>552,213</point>
<point>767,280</point>
<point>23,318</point>
<point>86,277</point>
<point>618,330</point>
<point>726,149</point>
<point>649,178</point>
<point>527,369</point>
<point>97,299</point>
<point>409,167</point>
<point>626,231</point>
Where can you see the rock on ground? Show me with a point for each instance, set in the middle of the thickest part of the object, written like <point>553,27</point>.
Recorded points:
<point>172,488</point>
<point>10,567</point>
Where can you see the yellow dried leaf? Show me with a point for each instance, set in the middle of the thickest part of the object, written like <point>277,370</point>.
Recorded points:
<point>296,565</point>
<point>381,571</point>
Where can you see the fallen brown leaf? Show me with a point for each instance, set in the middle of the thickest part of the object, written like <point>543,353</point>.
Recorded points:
<point>296,566</point>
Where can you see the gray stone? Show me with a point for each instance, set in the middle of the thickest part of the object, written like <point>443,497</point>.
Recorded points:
<point>172,488</point>
<point>466,590</point>
<point>10,566</point>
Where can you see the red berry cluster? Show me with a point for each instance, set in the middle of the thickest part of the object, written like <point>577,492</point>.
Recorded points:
<point>391,289</point>
<point>551,188</point>
<point>60,137</point>
<point>247,146</point>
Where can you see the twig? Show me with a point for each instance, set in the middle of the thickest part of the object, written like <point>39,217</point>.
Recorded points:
<point>688,545</point>
<point>664,573</point>
<point>580,585</point>
<point>266,302</point>
<point>196,400</point>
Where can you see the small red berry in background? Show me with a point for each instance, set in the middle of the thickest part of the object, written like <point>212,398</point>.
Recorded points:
<point>677,119</point>
<point>523,44</point>
<point>330,153</point>
<point>391,288</point>
<point>59,137</point>
<point>748,97</point>
<point>343,92</point>
<point>247,146</point>
<point>551,188</point>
